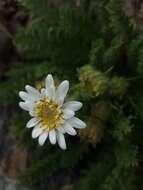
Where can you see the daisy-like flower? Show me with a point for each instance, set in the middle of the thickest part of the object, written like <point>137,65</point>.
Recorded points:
<point>51,117</point>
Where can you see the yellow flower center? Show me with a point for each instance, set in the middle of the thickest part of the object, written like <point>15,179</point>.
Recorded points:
<point>49,113</point>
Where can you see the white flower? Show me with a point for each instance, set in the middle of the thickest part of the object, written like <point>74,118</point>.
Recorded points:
<point>51,117</point>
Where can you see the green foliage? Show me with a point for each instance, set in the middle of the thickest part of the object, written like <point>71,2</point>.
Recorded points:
<point>122,128</point>
<point>100,53</point>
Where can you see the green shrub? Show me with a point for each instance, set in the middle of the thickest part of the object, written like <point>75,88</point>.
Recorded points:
<point>100,53</point>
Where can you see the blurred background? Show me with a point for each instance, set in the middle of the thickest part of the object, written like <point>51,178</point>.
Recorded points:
<point>98,46</point>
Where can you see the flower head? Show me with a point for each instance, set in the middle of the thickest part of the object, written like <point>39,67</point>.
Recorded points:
<point>51,117</point>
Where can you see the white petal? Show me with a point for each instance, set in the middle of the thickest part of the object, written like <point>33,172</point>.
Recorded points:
<point>27,106</point>
<point>61,141</point>
<point>50,87</point>
<point>76,123</point>
<point>42,138</point>
<point>51,92</point>
<point>32,122</point>
<point>24,106</point>
<point>30,104</point>
<point>23,95</point>
<point>32,112</point>
<point>69,129</point>
<point>32,91</point>
<point>61,129</point>
<point>73,105</point>
<point>49,81</point>
<point>62,92</point>
<point>67,114</point>
<point>36,132</point>
<point>52,136</point>
<point>26,97</point>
